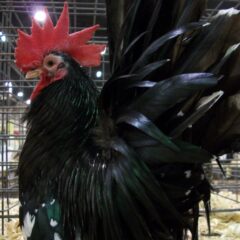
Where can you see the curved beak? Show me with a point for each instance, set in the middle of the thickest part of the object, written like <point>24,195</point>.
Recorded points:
<point>33,73</point>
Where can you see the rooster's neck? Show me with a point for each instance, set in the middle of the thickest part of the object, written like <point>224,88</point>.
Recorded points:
<point>60,120</point>
<point>66,106</point>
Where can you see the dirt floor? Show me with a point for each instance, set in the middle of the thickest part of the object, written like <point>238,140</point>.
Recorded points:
<point>224,225</point>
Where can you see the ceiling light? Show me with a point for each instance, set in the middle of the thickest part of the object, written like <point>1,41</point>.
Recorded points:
<point>40,16</point>
<point>98,74</point>
<point>9,85</point>
<point>3,38</point>
<point>28,102</point>
<point>20,94</point>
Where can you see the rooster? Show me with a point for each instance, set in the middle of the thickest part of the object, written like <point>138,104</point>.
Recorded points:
<point>127,163</point>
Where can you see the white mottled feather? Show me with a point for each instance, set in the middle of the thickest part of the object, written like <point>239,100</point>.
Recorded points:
<point>57,236</point>
<point>53,223</point>
<point>28,224</point>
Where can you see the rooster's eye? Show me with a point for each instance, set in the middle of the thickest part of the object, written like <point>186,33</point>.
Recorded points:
<point>50,63</point>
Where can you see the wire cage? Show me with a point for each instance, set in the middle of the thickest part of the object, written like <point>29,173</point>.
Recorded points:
<point>15,92</point>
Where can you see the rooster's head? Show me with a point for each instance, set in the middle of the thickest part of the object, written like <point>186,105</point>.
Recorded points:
<point>39,54</point>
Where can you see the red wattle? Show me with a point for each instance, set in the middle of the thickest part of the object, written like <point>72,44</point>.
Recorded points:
<point>44,82</point>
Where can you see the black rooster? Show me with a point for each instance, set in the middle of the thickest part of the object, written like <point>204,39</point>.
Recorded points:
<point>127,163</point>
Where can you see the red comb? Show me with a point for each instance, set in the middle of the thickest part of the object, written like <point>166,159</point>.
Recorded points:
<point>31,49</point>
